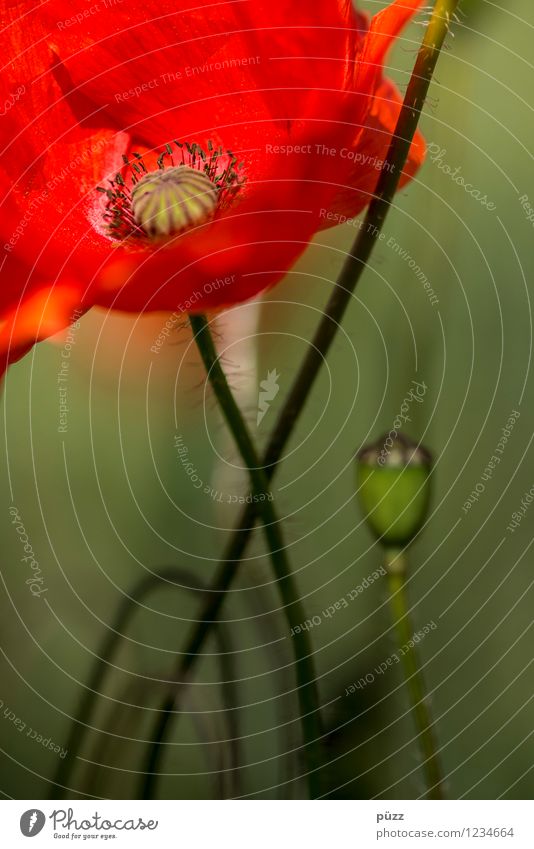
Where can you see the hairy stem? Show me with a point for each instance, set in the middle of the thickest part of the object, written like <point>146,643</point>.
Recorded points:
<point>292,605</point>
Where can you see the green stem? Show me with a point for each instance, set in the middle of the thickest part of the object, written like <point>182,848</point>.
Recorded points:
<point>396,565</point>
<point>292,605</point>
<point>173,577</point>
<point>334,312</point>
<point>202,629</point>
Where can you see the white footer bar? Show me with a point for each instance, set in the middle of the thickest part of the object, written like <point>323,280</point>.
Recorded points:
<point>268,824</point>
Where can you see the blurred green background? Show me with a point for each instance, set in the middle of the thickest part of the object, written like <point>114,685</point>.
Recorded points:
<point>108,499</point>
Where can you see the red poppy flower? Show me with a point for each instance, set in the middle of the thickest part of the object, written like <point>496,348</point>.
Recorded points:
<point>174,155</point>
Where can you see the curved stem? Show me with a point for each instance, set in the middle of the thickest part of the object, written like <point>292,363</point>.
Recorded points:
<point>396,575</point>
<point>292,606</point>
<point>175,576</point>
<point>97,777</point>
<point>104,654</point>
<point>335,309</point>
<point>200,632</point>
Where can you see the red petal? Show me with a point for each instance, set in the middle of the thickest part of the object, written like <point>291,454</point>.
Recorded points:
<point>158,67</point>
<point>370,144</point>
<point>384,29</point>
<point>249,249</point>
<point>40,314</point>
<point>250,90</point>
<point>369,153</point>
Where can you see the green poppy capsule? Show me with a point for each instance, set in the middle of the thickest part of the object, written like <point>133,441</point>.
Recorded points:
<point>171,200</point>
<point>394,488</point>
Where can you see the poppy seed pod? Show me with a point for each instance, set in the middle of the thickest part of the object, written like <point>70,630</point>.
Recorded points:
<point>394,488</point>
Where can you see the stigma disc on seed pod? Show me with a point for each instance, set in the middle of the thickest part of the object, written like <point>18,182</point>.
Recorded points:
<point>174,199</point>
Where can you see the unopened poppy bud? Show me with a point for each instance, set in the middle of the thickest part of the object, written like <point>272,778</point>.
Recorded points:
<point>393,488</point>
